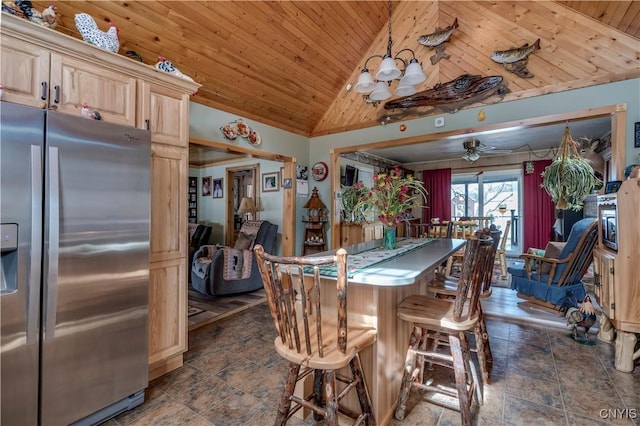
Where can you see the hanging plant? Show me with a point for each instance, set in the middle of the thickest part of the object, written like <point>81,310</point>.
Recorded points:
<point>569,178</point>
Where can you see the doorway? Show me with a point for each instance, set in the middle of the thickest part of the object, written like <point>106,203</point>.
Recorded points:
<point>241,182</point>
<point>494,194</point>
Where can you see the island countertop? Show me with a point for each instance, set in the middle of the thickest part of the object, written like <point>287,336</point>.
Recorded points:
<point>403,269</point>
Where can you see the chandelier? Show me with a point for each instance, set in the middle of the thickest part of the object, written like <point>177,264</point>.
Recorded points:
<point>378,90</point>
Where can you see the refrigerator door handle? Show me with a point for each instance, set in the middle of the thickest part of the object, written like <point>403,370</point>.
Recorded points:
<point>54,244</point>
<point>33,304</point>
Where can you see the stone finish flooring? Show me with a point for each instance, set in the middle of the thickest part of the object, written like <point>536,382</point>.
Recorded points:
<point>233,376</point>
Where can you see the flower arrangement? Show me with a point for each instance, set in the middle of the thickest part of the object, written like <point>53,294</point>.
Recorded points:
<point>392,195</point>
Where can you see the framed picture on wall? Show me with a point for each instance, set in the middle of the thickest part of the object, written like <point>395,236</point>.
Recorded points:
<point>206,186</point>
<point>270,182</point>
<point>217,188</point>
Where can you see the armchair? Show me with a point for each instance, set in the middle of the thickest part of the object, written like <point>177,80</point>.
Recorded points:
<point>545,279</point>
<point>199,235</point>
<point>219,270</point>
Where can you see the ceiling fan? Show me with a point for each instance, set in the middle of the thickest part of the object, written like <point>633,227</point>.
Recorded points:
<point>473,149</point>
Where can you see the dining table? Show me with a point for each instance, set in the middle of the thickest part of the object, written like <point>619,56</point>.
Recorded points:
<point>378,280</point>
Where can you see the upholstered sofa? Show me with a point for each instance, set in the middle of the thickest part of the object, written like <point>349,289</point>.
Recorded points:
<point>220,270</point>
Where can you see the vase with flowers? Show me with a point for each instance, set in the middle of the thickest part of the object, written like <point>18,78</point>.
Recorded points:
<point>391,196</point>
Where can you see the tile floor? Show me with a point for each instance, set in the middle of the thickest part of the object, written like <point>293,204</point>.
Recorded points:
<point>232,376</point>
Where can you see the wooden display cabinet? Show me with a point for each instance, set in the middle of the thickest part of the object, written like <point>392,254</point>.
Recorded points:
<point>616,276</point>
<point>315,239</point>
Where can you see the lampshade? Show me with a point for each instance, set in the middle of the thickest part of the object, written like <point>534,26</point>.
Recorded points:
<point>381,92</point>
<point>388,70</point>
<point>405,89</point>
<point>413,74</point>
<point>472,156</point>
<point>247,205</point>
<point>365,82</point>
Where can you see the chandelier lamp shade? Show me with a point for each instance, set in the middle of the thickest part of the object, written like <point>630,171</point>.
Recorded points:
<point>411,74</point>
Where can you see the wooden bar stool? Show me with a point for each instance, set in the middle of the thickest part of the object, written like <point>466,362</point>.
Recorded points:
<point>447,288</point>
<point>435,320</point>
<point>313,343</point>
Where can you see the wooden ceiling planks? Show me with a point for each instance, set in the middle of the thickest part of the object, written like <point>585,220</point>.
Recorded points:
<point>287,63</point>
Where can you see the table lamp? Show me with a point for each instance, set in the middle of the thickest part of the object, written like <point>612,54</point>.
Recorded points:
<point>247,206</point>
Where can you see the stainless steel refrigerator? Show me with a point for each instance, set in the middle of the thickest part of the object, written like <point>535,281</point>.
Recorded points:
<point>74,213</point>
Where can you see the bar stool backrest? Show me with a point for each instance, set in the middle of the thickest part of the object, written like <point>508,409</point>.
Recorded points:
<point>474,265</point>
<point>294,302</point>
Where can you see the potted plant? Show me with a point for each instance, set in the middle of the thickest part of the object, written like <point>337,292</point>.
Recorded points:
<point>570,178</point>
<point>352,212</point>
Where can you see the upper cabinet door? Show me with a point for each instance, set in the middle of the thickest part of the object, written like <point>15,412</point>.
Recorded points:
<point>75,82</point>
<point>166,113</point>
<point>25,72</point>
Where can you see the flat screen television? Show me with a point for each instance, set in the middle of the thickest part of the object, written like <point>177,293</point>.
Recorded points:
<point>350,175</point>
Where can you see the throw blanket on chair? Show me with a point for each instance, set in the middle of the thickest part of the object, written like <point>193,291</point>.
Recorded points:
<point>201,265</point>
<point>237,264</point>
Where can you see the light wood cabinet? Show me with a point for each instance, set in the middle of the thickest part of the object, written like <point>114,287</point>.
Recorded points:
<point>25,66</point>
<point>167,112</point>
<point>65,83</point>
<point>47,69</point>
<point>617,280</point>
<point>109,92</point>
<point>168,318</point>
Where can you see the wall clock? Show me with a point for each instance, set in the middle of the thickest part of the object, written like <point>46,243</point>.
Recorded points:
<point>320,171</point>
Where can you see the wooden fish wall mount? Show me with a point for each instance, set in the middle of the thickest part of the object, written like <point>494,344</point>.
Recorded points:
<point>515,59</point>
<point>449,97</point>
<point>436,40</point>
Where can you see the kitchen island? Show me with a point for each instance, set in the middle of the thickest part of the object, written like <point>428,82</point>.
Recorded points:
<point>374,293</point>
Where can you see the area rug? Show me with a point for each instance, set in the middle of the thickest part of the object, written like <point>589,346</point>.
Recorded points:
<point>204,310</point>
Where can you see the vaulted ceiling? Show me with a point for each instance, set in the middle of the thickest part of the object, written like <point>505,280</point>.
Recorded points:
<point>288,63</point>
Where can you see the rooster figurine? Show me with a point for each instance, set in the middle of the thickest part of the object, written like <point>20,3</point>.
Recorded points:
<point>87,113</point>
<point>583,316</point>
<point>90,33</point>
<point>167,66</point>
<point>49,17</point>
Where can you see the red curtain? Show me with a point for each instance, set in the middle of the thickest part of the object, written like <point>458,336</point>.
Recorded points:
<point>538,213</point>
<point>438,186</point>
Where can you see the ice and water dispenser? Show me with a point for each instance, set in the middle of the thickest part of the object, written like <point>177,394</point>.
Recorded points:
<point>9,250</point>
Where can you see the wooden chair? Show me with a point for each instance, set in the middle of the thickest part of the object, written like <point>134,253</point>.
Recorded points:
<point>447,288</point>
<point>546,280</point>
<point>431,230</point>
<point>435,320</point>
<point>315,342</point>
<point>462,229</point>
<point>501,253</point>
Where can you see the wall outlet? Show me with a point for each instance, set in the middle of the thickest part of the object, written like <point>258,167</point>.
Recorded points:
<point>439,122</point>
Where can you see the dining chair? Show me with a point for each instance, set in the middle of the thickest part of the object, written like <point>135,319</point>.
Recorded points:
<point>431,230</point>
<point>502,252</point>
<point>316,339</point>
<point>434,320</point>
